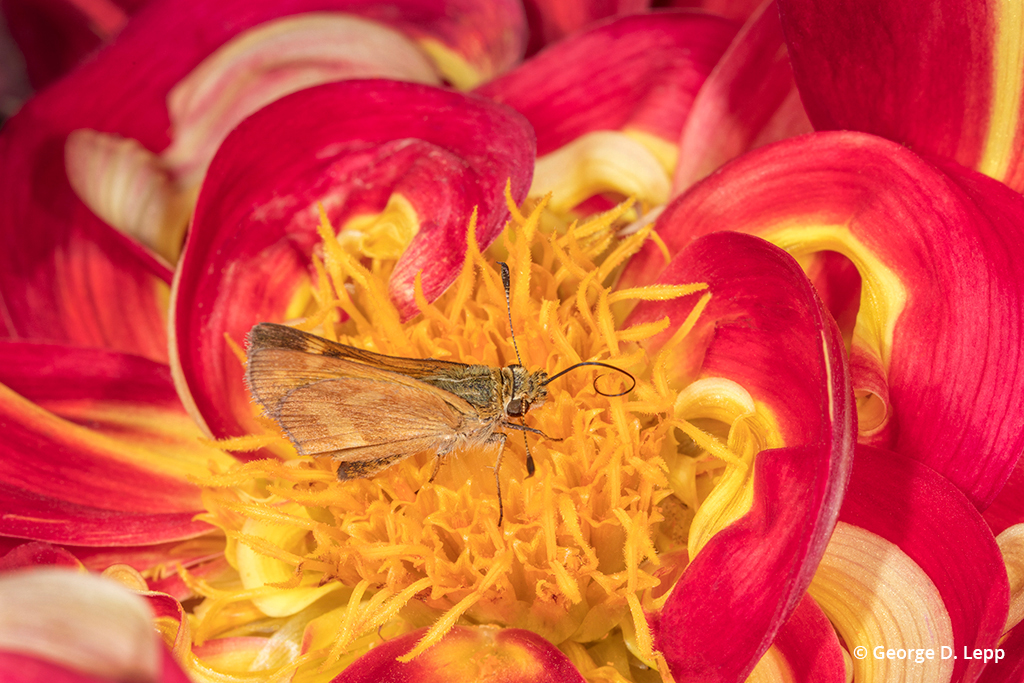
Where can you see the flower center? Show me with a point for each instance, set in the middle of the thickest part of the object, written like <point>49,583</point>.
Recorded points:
<point>579,543</point>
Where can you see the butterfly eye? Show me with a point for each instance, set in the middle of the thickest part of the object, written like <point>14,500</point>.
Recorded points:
<point>515,407</point>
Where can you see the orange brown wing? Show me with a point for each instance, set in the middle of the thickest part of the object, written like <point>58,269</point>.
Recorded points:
<point>336,415</point>
<point>272,335</point>
<point>365,416</point>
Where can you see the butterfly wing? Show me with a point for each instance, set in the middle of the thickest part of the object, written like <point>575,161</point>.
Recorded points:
<point>353,412</point>
<point>274,336</point>
<point>363,415</point>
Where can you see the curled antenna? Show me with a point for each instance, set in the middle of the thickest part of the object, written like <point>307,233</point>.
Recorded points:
<point>507,281</point>
<point>599,364</point>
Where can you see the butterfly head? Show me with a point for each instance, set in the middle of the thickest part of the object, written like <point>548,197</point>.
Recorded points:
<point>527,390</point>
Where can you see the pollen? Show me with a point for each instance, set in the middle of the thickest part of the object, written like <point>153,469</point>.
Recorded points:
<point>580,554</point>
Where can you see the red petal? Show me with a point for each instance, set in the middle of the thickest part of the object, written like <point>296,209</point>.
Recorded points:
<point>55,35</point>
<point>69,277</point>
<point>486,654</point>
<point>1008,507</point>
<point>737,10</point>
<point>955,360</point>
<point>34,553</point>
<point>552,20</point>
<point>1011,669</point>
<point>928,75</point>
<point>749,100</point>
<point>938,528</point>
<point>22,668</point>
<point>765,329</point>
<point>640,72</point>
<point>255,225</point>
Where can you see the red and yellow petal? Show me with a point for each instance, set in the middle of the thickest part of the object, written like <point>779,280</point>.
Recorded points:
<point>150,196</point>
<point>469,41</point>
<point>912,565</point>
<point>69,276</point>
<point>765,358</point>
<point>399,169</point>
<point>608,105</point>
<point>936,348</point>
<point>942,77</point>
<point>97,449</point>
<point>203,558</point>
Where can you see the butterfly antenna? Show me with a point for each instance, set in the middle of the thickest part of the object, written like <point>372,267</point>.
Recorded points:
<point>506,280</point>
<point>600,365</point>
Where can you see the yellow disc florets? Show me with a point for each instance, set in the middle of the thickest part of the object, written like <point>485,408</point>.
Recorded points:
<point>578,550</point>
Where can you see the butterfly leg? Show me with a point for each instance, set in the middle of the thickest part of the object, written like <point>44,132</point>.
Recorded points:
<point>438,459</point>
<point>437,467</point>
<point>499,439</point>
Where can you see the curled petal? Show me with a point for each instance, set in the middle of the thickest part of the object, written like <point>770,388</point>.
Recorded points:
<point>70,276</point>
<point>942,589</point>
<point>634,77</point>
<point>272,60</point>
<point>601,160</point>
<point>261,573</point>
<point>469,41</point>
<point>467,653</point>
<point>128,187</point>
<point>758,537</point>
<point>880,600</point>
<point>749,100</point>
<point>806,650</point>
<point>942,77</point>
<point>933,247</point>
<point>150,197</point>
<point>400,166</point>
<point>639,72</point>
<point>97,448</point>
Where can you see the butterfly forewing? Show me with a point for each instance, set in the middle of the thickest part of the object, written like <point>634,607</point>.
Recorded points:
<point>272,335</point>
<point>330,398</point>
